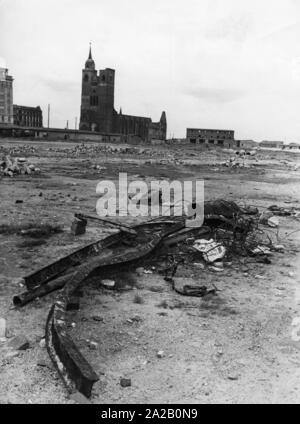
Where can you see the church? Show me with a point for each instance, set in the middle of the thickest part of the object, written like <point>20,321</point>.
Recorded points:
<point>99,115</point>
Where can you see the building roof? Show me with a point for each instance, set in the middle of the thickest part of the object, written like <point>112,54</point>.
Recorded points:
<point>207,129</point>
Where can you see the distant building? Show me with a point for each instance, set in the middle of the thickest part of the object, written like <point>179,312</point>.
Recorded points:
<point>222,138</point>
<point>98,113</point>
<point>26,116</point>
<point>293,146</point>
<point>268,144</point>
<point>246,144</point>
<point>6,97</point>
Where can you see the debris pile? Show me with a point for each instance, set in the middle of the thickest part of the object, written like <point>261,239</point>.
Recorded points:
<point>164,245</point>
<point>17,166</point>
<point>91,150</point>
<point>210,250</point>
<point>240,160</point>
<point>22,150</point>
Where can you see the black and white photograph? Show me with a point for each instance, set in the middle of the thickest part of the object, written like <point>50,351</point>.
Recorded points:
<point>150,204</point>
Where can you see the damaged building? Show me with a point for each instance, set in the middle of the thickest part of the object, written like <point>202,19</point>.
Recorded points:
<point>222,138</point>
<point>6,97</point>
<point>99,115</point>
<point>27,116</point>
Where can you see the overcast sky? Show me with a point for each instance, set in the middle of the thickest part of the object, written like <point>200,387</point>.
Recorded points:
<point>208,63</point>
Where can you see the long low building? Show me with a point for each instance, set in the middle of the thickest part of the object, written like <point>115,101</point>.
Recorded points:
<point>222,138</point>
<point>269,144</point>
<point>56,134</point>
<point>246,144</point>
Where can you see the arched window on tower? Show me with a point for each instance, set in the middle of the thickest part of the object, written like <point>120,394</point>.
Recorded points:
<point>86,78</point>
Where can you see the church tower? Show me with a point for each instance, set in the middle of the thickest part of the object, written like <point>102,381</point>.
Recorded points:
<point>106,100</point>
<point>89,96</point>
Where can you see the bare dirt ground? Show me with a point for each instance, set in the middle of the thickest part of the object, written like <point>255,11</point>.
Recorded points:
<point>239,347</point>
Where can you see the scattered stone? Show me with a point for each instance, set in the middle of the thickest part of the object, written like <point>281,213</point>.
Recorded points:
<point>78,226</point>
<point>2,328</point>
<point>18,281</point>
<point>125,382</point>
<point>19,201</point>
<point>211,250</point>
<point>279,247</point>
<point>80,398</point>
<point>160,354</point>
<point>42,343</point>
<point>215,268</point>
<point>98,318</point>
<point>136,318</point>
<point>93,345</point>
<point>291,274</point>
<point>148,271</point>
<point>273,222</point>
<point>261,250</point>
<point>19,343</point>
<point>260,277</point>
<point>108,283</point>
<point>233,377</point>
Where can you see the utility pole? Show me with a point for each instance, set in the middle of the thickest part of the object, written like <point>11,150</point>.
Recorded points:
<point>67,126</point>
<point>76,123</point>
<point>48,115</point>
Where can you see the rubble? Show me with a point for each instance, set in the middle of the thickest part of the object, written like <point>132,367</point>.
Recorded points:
<point>279,247</point>
<point>125,382</point>
<point>17,166</point>
<point>97,318</point>
<point>210,250</point>
<point>229,230</point>
<point>108,283</point>
<point>189,287</point>
<point>42,343</point>
<point>93,345</point>
<point>261,250</point>
<point>273,222</point>
<point>78,226</point>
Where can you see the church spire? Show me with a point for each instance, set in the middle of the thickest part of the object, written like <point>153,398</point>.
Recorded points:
<point>90,64</point>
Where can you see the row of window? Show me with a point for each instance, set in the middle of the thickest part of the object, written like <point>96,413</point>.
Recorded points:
<point>212,141</point>
<point>103,78</point>
<point>210,132</point>
<point>6,119</point>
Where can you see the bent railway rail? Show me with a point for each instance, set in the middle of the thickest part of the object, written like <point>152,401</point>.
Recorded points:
<point>69,272</point>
